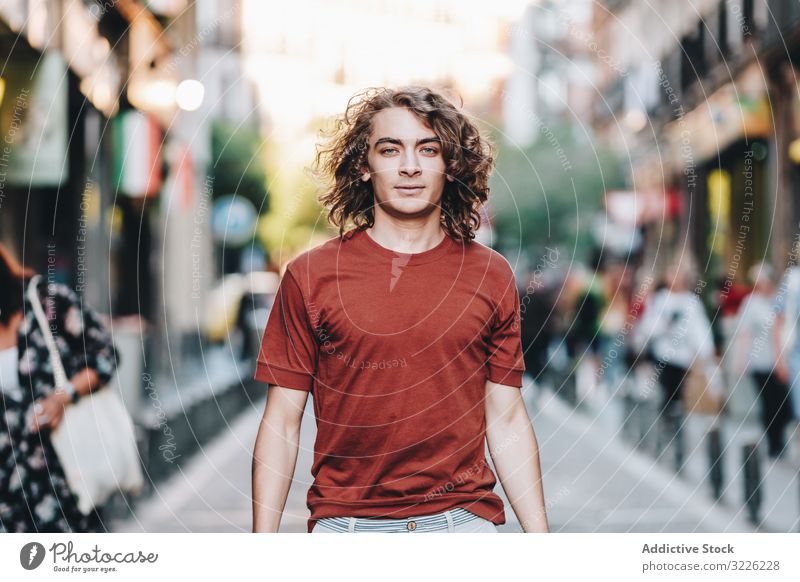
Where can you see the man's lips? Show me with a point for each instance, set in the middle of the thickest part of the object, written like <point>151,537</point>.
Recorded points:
<point>410,189</point>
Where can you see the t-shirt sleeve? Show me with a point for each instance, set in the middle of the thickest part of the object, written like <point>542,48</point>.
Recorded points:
<point>505,363</point>
<point>289,350</point>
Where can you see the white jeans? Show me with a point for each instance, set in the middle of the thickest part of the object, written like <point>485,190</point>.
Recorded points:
<point>476,525</point>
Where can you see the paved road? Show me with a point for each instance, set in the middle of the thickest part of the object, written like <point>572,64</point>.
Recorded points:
<point>593,481</point>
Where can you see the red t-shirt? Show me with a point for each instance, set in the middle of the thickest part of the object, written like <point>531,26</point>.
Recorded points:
<point>396,350</point>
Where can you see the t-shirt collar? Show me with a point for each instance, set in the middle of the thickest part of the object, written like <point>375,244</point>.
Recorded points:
<point>368,245</point>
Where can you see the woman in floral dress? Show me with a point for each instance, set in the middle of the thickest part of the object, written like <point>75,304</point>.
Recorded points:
<point>34,495</point>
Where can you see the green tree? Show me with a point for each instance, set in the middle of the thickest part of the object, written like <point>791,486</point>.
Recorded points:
<point>548,194</point>
<point>237,165</point>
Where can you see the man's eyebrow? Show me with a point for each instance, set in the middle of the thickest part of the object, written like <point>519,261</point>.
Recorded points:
<point>395,141</point>
<point>429,140</point>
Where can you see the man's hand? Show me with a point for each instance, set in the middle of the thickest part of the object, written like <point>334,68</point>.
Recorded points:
<point>782,370</point>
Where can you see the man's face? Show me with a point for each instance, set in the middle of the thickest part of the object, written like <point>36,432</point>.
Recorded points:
<point>406,165</point>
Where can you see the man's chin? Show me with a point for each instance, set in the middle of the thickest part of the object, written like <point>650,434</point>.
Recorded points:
<point>408,208</point>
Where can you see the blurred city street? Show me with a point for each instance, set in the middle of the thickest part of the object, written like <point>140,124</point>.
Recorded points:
<point>593,483</point>
<point>632,169</point>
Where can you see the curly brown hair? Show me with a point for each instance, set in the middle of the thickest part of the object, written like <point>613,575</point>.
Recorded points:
<point>469,159</point>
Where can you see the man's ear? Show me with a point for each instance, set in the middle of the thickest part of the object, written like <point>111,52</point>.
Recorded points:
<point>449,177</point>
<point>365,175</point>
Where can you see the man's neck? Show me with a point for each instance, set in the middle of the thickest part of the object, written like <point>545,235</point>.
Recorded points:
<point>406,237</point>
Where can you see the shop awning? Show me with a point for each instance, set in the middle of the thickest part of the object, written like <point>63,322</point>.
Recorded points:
<point>739,110</point>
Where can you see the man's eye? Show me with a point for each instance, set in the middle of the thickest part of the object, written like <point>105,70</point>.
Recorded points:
<point>430,150</point>
<point>388,150</point>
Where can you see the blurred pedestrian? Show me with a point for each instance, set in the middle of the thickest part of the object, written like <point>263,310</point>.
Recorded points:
<point>677,332</point>
<point>615,312</point>
<point>755,354</point>
<point>34,495</point>
<point>787,309</point>
<point>582,334</point>
<point>244,325</point>
<point>537,323</point>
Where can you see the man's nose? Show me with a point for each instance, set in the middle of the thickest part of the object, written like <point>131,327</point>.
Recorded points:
<point>410,164</point>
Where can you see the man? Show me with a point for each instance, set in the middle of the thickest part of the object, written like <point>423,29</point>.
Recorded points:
<point>407,334</point>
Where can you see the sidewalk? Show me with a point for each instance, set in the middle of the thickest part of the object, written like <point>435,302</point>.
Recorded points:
<point>176,416</point>
<point>780,488</point>
<point>779,480</point>
<point>593,481</point>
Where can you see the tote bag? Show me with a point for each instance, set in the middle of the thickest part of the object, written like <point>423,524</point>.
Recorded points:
<point>95,440</point>
<point>701,395</point>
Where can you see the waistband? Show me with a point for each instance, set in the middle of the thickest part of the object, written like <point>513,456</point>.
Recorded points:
<point>439,521</point>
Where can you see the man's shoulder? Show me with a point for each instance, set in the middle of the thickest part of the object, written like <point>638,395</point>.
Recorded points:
<point>494,263</point>
<point>316,258</point>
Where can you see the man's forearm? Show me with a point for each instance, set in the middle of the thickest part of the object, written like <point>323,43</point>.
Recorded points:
<point>515,453</point>
<point>274,460</point>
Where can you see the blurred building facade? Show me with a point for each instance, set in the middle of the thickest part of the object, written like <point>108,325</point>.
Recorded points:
<point>553,73</point>
<point>106,112</point>
<point>701,98</point>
